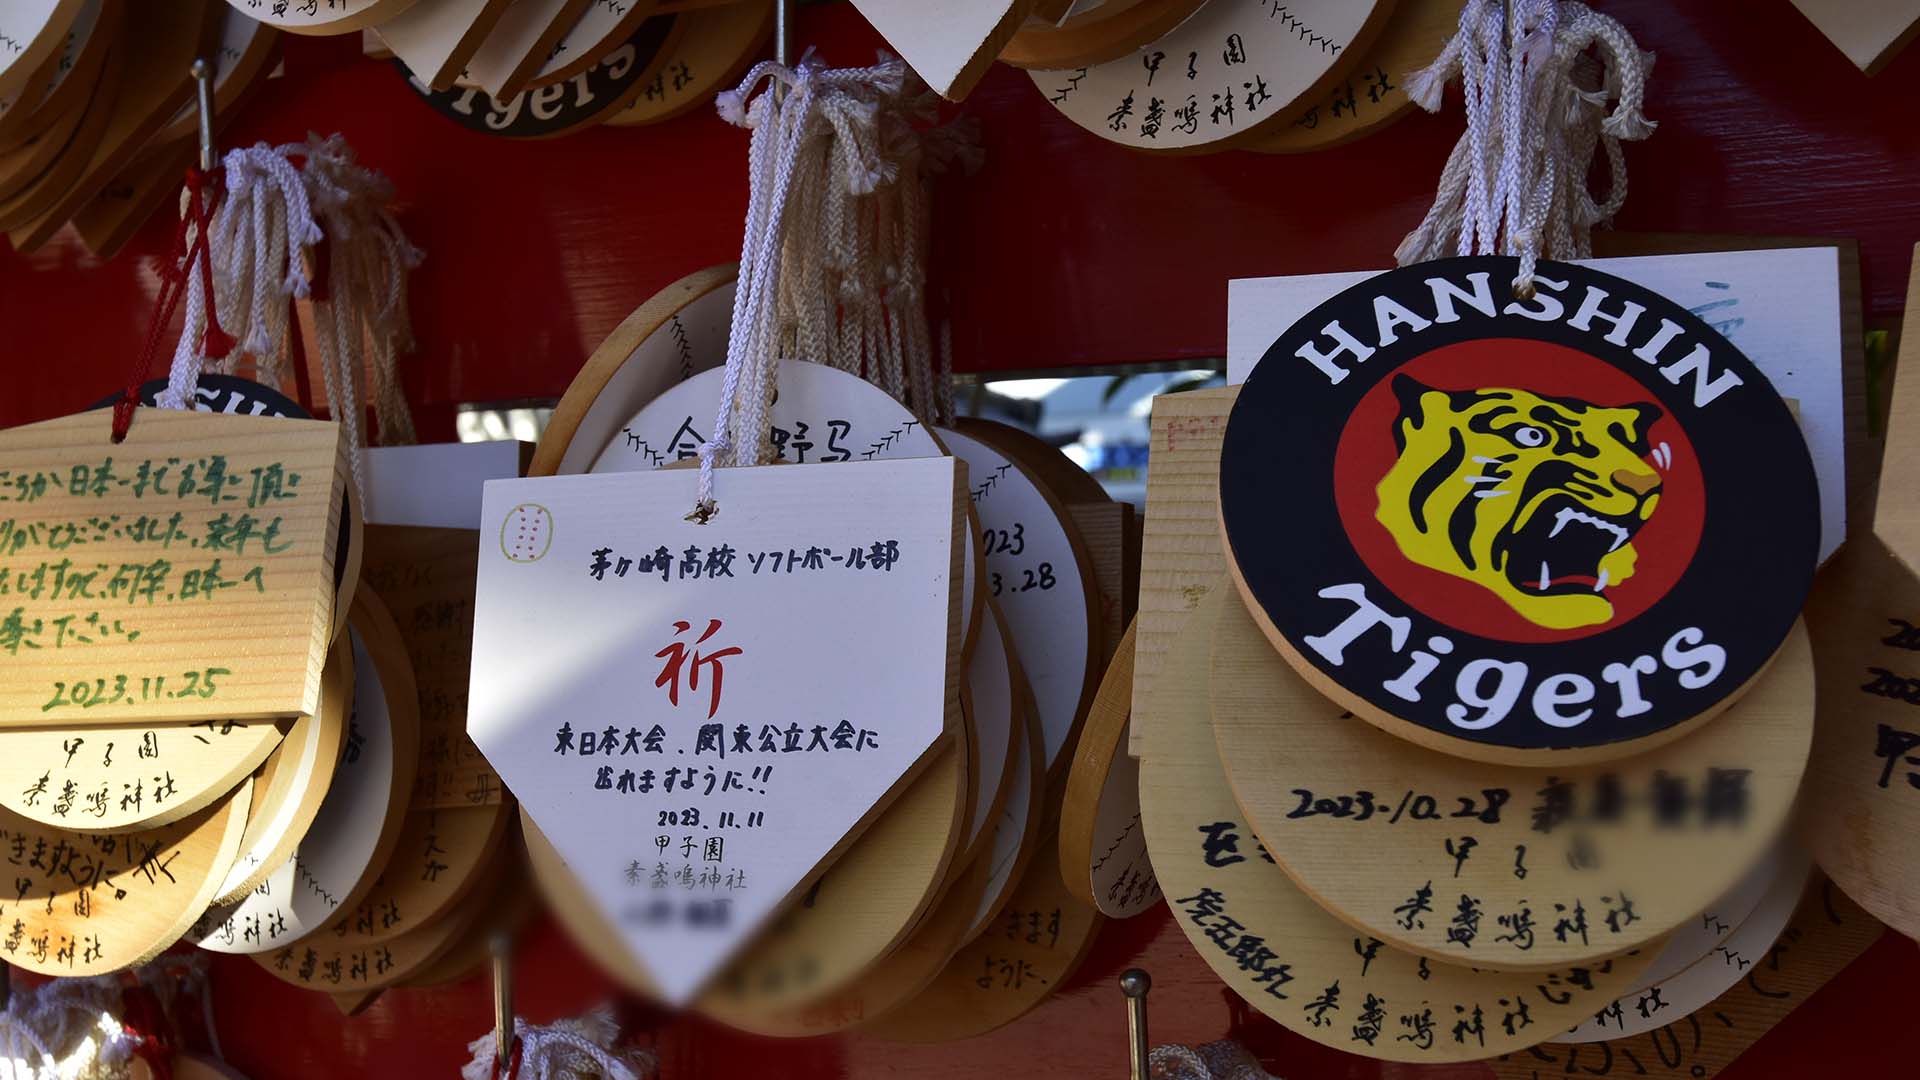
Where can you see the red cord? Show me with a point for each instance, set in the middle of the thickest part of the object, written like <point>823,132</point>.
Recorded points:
<point>203,190</point>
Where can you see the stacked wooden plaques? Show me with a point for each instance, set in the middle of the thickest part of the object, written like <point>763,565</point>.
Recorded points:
<point>1466,718</point>
<point>174,693</point>
<point>892,931</point>
<point>102,128</point>
<point>1188,76</point>
<point>538,70</point>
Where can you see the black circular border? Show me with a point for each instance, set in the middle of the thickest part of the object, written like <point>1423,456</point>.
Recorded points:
<point>1745,587</point>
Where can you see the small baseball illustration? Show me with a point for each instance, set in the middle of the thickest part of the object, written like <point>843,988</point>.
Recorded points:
<point>527,533</point>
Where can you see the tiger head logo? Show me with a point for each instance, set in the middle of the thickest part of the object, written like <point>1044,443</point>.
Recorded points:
<point>1534,498</point>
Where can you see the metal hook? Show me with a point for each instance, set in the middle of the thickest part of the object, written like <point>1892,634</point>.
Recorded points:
<point>500,947</point>
<point>783,32</point>
<point>1135,983</point>
<point>203,78</point>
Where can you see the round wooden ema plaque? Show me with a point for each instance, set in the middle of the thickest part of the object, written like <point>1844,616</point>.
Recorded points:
<point>1225,76</point>
<point>441,857</point>
<point>860,910</point>
<point>1861,807</point>
<point>582,100</point>
<point>1285,954</point>
<point>1103,853</point>
<point>290,787</point>
<point>33,31</point>
<point>601,29</point>
<point>820,414</point>
<point>1710,975</point>
<point>577,913</point>
<point>1041,576</point>
<point>898,977</point>
<point>1371,96</point>
<point>716,45</point>
<point>321,962</point>
<point>91,903</point>
<point>680,330</point>
<point>44,88</point>
<point>161,42</point>
<point>1502,866</point>
<point>1016,828</point>
<point>1031,946</point>
<point>22,166</point>
<point>1107,32</point>
<point>1726,914</point>
<point>358,825</point>
<point>1520,531</point>
<point>120,777</point>
<point>61,152</point>
<point>990,714</point>
<point>322,17</point>
<point>1049,467</point>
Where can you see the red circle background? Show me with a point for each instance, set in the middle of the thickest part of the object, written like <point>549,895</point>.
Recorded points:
<point>1665,544</point>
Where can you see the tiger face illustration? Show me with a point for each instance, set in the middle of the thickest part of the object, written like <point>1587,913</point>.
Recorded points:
<point>1536,499</point>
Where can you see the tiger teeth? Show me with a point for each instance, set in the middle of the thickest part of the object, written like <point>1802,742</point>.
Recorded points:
<point>1568,513</point>
<point>1546,579</point>
<point>1601,585</point>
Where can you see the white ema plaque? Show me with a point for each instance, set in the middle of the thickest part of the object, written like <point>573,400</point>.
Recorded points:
<point>696,715</point>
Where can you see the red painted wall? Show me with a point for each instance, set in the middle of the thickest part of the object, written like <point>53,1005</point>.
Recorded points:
<point>1062,250</point>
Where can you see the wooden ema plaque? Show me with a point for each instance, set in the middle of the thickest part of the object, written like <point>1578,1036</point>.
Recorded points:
<point>319,962</point>
<point>1446,447</point>
<point>586,98</point>
<point>1896,511</point>
<point>716,45</point>
<point>358,825</point>
<point>599,30</point>
<point>91,903</point>
<point>435,40</point>
<point>1222,78</point>
<point>33,31</point>
<point>183,575</point>
<point>1371,96</point>
<point>328,17</point>
<point>1032,945</point>
<point>950,46</point>
<point>160,44</point>
<point>681,329</point>
<point>426,577</point>
<point>1656,1002</point>
<point>1039,573</point>
<point>738,814</point>
<point>1503,867</point>
<point>1827,933</point>
<point>520,43</point>
<point>440,858</point>
<point>63,78</point>
<point>1103,851</point>
<point>1180,553</point>
<point>1105,32</point>
<point>1863,782</point>
<point>1285,954</point>
<point>290,788</point>
<point>896,978</point>
<point>119,777</point>
<point>860,911</point>
<point>1007,845</point>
